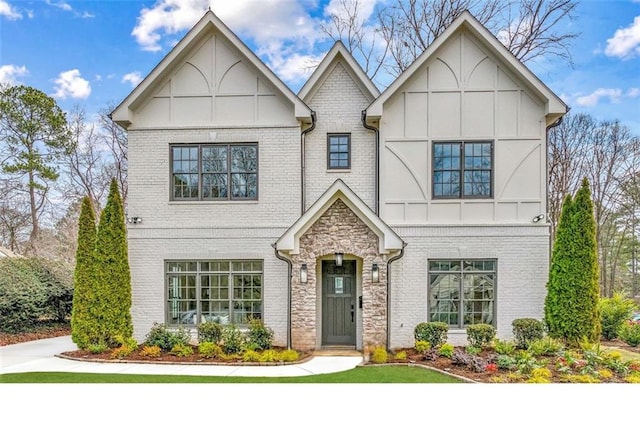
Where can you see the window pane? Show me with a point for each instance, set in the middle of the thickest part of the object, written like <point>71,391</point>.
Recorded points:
<point>244,158</point>
<point>214,186</point>
<point>338,151</point>
<point>214,159</point>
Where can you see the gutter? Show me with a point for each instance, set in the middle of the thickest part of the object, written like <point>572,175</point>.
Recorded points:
<point>290,267</point>
<point>393,259</point>
<point>303,138</point>
<point>377,172</point>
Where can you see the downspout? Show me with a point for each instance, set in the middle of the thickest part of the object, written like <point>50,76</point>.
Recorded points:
<point>393,259</point>
<point>290,268</point>
<point>303,197</point>
<point>377,171</point>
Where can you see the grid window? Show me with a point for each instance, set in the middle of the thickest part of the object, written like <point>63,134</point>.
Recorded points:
<point>214,172</point>
<point>226,292</point>
<point>339,151</point>
<point>462,292</point>
<point>462,169</point>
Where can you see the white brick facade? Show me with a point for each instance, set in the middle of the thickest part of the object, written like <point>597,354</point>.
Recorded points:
<point>229,104</point>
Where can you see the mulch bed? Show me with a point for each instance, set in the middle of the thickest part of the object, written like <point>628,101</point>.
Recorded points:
<point>42,331</point>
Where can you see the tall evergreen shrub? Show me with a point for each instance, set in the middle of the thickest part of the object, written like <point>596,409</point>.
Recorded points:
<point>113,278</point>
<point>571,305</point>
<point>83,323</point>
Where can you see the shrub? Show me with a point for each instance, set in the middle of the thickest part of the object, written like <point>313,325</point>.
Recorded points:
<point>122,351</point>
<point>629,332</point>
<point>433,332</point>
<point>504,347</point>
<point>260,335</point>
<point>182,350</point>
<point>250,356</point>
<point>446,350</point>
<point>475,363</point>
<point>289,355</point>
<point>209,332</point>
<point>545,346</point>
<point>400,356</point>
<point>166,339</point>
<point>525,362</point>
<point>422,346</point>
<point>473,350</point>
<point>32,289</point>
<point>613,312</point>
<point>506,362</point>
<point>480,335</point>
<point>526,330</point>
<point>151,351</point>
<point>97,348</point>
<point>379,355</point>
<point>209,350</point>
<point>233,339</point>
<point>270,355</point>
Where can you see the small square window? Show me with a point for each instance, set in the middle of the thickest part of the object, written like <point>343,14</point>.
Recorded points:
<point>339,151</point>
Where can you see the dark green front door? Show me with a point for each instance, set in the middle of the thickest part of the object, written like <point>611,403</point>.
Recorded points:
<point>339,303</point>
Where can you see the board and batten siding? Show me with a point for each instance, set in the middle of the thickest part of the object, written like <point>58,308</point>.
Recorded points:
<point>463,94</point>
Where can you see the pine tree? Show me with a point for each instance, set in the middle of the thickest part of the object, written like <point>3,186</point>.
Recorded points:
<point>113,278</point>
<point>571,305</point>
<point>558,288</point>
<point>82,322</point>
<point>586,271</point>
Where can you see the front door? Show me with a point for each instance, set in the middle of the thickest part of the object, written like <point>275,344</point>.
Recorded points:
<point>339,303</point>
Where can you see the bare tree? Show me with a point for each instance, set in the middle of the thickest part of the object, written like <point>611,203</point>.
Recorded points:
<point>528,28</point>
<point>87,164</point>
<point>115,138</point>
<point>348,24</point>
<point>609,156</point>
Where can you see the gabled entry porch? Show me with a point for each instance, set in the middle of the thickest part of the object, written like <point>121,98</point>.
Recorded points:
<point>338,251</point>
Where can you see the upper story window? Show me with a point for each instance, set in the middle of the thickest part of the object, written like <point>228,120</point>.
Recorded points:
<point>462,169</point>
<point>214,172</point>
<point>339,151</point>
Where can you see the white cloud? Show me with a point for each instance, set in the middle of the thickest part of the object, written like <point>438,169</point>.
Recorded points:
<point>9,11</point>
<point>133,77</point>
<point>296,67</point>
<point>9,74</point>
<point>69,84</point>
<point>634,92</point>
<point>625,43</point>
<point>60,5</point>
<point>593,98</point>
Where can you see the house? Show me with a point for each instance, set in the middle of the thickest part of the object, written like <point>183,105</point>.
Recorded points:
<point>340,216</point>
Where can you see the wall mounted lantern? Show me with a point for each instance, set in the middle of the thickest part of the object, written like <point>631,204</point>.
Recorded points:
<point>339,259</point>
<point>303,273</point>
<point>538,218</point>
<point>135,219</point>
<point>375,273</point>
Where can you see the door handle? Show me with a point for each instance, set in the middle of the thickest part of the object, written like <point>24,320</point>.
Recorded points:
<point>352,311</point>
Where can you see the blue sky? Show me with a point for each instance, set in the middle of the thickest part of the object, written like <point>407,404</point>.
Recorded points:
<point>92,53</point>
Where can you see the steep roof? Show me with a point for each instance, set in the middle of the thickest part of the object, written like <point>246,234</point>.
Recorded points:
<point>555,107</point>
<point>388,239</point>
<point>123,113</point>
<point>338,53</point>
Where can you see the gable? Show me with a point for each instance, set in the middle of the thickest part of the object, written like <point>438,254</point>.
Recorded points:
<point>211,78</point>
<point>338,56</point>
<point>467,57</point>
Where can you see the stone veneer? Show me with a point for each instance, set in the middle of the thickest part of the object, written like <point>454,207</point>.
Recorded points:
<point>338,230</point>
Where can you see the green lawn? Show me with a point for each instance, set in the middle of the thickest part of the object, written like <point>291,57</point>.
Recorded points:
<point>381,374</point>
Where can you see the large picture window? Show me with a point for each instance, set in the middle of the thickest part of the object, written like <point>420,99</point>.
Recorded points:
<point>214,172</point>
<point>222,291</point>
<point>462,169</point>
<point>339,151</point>
<point>462,292</point>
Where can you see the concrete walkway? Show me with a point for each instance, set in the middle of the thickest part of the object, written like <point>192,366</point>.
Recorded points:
<point>40,356</point>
